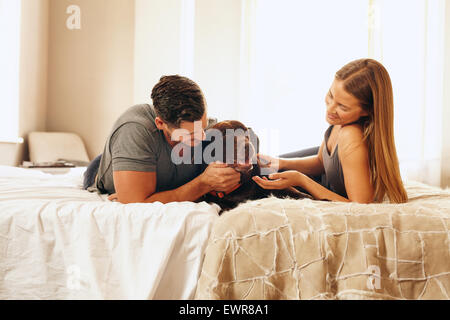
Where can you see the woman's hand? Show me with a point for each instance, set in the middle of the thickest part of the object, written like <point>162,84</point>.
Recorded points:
<point>269,164</point>
<point>281,180</point>
<point>266,161</point>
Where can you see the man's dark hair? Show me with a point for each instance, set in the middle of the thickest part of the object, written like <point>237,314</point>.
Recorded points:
<point>178,99</point>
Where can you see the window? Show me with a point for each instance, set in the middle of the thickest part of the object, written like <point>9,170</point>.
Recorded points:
<point>291,49</point>
<point>411,46</point>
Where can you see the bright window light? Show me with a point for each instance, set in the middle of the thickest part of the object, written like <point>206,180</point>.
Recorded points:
<point>292,50</point>
<point>187,27</point>
<point>411,47</point>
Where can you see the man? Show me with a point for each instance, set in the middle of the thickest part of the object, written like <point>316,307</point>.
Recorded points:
<point>137,162</point>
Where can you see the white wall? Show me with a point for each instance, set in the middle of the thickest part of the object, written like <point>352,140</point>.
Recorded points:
<point>91,69</point>
<point>158,50</point>
<point>217,55</point>
<point>157,44</point>
<point>121,51</point>
<point>33,70</point>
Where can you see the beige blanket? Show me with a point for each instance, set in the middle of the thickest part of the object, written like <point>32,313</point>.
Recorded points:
<point>303,249</point>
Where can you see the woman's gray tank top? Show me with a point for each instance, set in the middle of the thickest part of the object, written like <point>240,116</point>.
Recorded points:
<point>333,179</point>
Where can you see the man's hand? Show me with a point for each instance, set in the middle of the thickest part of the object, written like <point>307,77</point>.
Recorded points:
<point>219,177</point>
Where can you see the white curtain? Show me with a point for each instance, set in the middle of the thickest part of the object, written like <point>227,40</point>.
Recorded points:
<point>290,51</point>
<point>408,38</point>
<point>10,13</point>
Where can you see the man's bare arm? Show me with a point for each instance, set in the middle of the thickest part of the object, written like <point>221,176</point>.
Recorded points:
<point>134,186</point>
<point>312,165</point>
<point>190,191</point>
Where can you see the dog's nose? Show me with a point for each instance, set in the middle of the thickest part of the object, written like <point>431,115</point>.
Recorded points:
<point>244,167</point>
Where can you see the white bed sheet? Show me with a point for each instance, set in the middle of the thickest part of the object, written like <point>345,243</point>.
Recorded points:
<point>58,241</point>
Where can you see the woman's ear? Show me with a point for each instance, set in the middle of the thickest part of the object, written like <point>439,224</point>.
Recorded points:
<point>364,113</point>
<point>159,123</point>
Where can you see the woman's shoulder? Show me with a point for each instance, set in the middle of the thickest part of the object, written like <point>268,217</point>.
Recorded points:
<point>353,131</point>
<point>351,136</point>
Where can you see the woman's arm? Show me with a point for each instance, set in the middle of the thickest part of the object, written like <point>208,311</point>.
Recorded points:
<point>319,192</point>
<point>291,178</point>
<point>354,157</point>
<point>311,165</point>
<point>138,187</point>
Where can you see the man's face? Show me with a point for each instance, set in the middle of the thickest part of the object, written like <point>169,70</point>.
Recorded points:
<point>189,133</point>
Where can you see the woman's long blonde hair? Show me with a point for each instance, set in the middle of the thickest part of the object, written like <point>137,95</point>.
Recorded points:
<point>369,82</point>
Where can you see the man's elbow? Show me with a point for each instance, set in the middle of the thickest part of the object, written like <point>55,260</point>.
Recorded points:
<point>128,200</point>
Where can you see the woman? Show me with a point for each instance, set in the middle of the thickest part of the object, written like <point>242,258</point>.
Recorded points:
<point>357,159</point>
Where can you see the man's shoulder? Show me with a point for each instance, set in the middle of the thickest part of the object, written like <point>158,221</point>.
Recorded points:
<point>141,107</point>
<point>143,114</point>
<point>136,124</point>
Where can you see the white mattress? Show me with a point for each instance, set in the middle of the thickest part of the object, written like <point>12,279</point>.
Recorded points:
<point>58,241</point>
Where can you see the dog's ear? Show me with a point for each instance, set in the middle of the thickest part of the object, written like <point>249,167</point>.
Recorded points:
<point>209,138</point>
<point>254,139</point>
<point>211,122</point>
<point>202,145</point>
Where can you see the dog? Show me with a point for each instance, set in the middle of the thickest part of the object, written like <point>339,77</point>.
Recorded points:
<point>243,160</point>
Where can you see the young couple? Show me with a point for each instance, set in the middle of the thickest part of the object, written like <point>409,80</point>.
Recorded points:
<point>356,162</point>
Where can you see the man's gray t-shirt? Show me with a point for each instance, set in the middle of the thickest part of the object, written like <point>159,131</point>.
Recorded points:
<point>136,144</point>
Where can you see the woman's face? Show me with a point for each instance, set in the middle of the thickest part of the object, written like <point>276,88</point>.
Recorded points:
<point>342,107</point>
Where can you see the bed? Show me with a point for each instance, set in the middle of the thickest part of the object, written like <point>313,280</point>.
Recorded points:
<point>58,241</point>
<point>304,249</point>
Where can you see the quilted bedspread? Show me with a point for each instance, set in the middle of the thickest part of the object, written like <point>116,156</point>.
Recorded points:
<point>303,249</point>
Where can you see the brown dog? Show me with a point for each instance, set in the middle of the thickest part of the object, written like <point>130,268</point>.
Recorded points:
<point>244,161</point>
